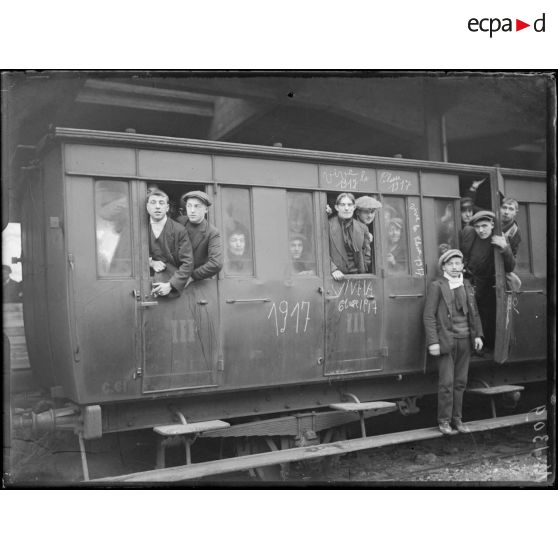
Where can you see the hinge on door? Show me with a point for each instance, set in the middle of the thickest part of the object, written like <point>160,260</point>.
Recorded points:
<point>221,365</point>
<point>138,373</point>
<point>384,351</point>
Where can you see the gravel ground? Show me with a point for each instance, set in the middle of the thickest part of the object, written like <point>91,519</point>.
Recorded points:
<point>500,456</point>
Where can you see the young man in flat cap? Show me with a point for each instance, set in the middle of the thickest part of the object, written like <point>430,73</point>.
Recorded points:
<point>205,238</point>
<point>478,243</point>
<point>365,211</point>
<point>453,326</point>
<point>170,252</point>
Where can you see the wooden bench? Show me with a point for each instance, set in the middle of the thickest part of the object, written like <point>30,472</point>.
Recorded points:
<point>360,407</point>
<point>184,431</point>
<point>492,391</point>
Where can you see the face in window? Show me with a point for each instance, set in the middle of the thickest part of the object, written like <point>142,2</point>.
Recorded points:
<point>394,230</point>
<point>296,247</point>
<point>508,212</point>
<point>466,214</point>
<point>237,244</point>
<point>484,228</point>
<point>366,216</point>
<point>196,210</point>
<point>345,207</point>
<point>157,207</point>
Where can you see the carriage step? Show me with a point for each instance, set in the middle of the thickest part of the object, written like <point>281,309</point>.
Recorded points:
<point>192,428</point>
<point>360,407</point>
<point>365,406</point>
<point>495,390</point>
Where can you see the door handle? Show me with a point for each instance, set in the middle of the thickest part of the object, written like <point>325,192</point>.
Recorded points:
<point>148,303</point>
<point>416,295</point>
<point>233,300</point>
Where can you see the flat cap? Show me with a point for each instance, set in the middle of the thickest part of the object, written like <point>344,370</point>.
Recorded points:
<point>482,216</point>
<point>466,202</point>
<point>452,253</point>
<point>367,202</point>
<point>202,196</point>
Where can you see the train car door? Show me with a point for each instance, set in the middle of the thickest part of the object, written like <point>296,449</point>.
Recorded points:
<point>104,274</point>
<point>404,275</point>
<point>354,309</point>
<point>179,334</point>
<point>271,299</point>
<point>524,310</point>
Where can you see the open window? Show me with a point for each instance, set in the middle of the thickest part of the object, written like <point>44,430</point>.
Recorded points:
<point>368,219</point>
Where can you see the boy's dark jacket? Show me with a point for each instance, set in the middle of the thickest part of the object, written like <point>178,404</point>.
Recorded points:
<point>437,314</point>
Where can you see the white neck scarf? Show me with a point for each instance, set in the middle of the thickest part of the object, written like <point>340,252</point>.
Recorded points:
<point>454,282</point>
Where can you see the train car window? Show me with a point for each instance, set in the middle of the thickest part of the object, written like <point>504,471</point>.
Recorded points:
<point>331,212</point>
<point>239,242</point>
<point>397,251</point>
<point>112,228</point>
<point>522,259</point>
<point>445,225</point>
<point>301,226</point>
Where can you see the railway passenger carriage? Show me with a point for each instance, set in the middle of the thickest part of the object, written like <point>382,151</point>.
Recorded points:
<point>261,339</point>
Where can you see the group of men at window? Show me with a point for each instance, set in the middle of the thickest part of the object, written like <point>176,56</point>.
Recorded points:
<point>351,239</point>
<point>188,248</point>
<point>351,245</point>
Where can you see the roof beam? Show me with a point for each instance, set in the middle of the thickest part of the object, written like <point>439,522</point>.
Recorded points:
<point>230,115</point>
<point>113,93</point>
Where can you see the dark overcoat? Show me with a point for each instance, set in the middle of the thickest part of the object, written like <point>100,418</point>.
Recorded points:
<point>337,253</point>
<point>437,316</point>
<point>207,246</point>
<point>176,252</point>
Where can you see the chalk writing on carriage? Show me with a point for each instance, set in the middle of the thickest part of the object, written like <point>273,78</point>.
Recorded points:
<point>290,317</point>
<point>355,295</point>
<point>394,182</point>
<point>414,223</point>
<point>344,178</point>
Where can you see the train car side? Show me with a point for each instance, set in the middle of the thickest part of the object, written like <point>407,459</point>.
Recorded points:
<point>259,339</point>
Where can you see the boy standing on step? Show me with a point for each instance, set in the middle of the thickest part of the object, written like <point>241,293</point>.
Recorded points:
<point>453,326</point>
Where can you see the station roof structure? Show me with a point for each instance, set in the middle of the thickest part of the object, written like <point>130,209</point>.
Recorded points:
<point>474,118</point>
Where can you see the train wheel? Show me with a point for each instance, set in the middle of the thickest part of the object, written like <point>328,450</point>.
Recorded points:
<point>271,473</point>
